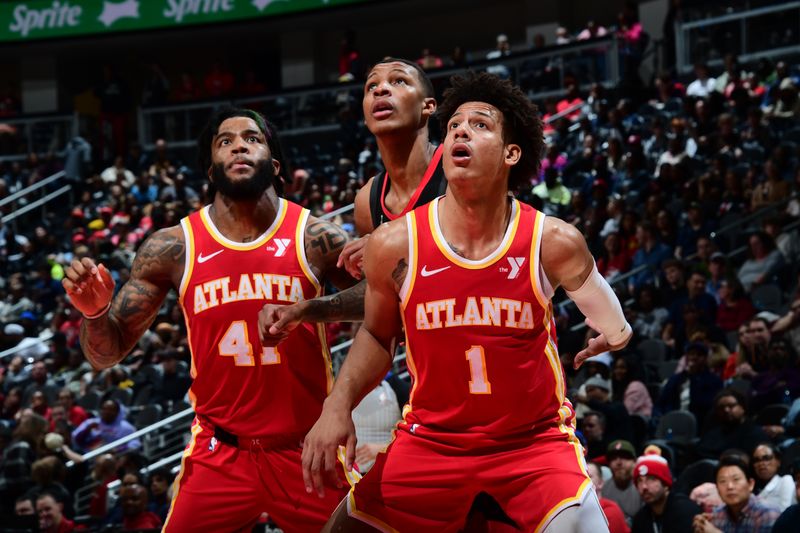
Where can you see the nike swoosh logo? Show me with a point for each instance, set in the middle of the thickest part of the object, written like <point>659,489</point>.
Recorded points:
<point>201,259</point>
<point>425,272</point>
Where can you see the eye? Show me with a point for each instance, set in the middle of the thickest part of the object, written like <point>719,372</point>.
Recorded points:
<point>252,138</point>
<point>371,86</point>
<point>453,125</point>
<point>399,81</point>
<point>223,142</point>
<point>481,125</point>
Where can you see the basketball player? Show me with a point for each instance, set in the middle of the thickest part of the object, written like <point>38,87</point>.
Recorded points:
<point>398,103</point>
<point>254,405</point>
<point>470,277</point>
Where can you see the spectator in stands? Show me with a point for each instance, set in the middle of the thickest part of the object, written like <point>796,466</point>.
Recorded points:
<point>695,295</point>
<point>664,511</point>
<point>428,60</point>
<point>648,316</point>
<point>553,158</point>
<point>621,457</point>
<point>787,522</point>
<point>651,254</point>
<point>160,493</point>
<point>218,83</point>
<point>501,50</point>
<point>40,382</point>
<point>25,447</point>
<point>25,506</point>
<point>110,426</point>
<point>38,404</point>
<point>593,426</point>
<point>692,228</point>
<point>133,499</point>
<point>144,190</point>
<point>555,195</point>
<point>788,104</point>
<point>615,261</point>
<point>117,173</point>
<point>692,389</point>
<point>571,100</point>
<point>730,427</point>
<point>51,515</point>
<point>780,379</point>
<point>789,324</point>
<point>175,380</point>
<point>629,389</point>
<point>772,489</point>
<point>115,105</point>
<point>763,263</point>
<point>103,473</point>
<point>75,413</point>
<point>616,520</point>
<point>592,31</point>
<point>598,398</point>
<point>48,475</point>
<point>12,403</point>
<point>187,89</point>
<point>706,496</point>
<point>703,85</point>
<point>734,307</point>
<point>741,510</point>
<point>17,301</point>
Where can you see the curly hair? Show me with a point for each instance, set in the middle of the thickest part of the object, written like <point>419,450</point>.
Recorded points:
<point>210,130</point>
<point>521,123</point>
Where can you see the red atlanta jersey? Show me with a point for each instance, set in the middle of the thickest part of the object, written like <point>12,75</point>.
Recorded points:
<point>239,385</point>
<point>480,336</point>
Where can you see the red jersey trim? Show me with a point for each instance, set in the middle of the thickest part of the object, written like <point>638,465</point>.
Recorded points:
<point>437,156</point>
<point>496,255</point>
<point>188,269</point>
<point>300,249</point>
<point>563,504</point>
<point>205,217</point>
<point>176,485</point>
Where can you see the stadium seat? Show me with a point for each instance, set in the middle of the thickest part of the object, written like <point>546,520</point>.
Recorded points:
<point>640,425</point>
<point>148,416</point>
<point>767,297</point>
<point>652,351</point>
<point>772,415</point>
<point>678,426</point>
<point>695,474</point>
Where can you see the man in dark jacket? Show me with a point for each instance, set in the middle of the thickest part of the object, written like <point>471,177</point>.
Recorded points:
<point>663,510</point>
<point>694,388</point>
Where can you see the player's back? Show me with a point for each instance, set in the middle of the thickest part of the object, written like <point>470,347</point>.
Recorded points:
<point>239,385</point>
<point>480,336</point>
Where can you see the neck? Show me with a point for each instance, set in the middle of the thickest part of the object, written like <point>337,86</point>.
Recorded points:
<point>474,226</point>
<point>622,485</point>
<point>736,510</point>
<point>658,506</point>
<point>244,221</point>
<point>405,157</point>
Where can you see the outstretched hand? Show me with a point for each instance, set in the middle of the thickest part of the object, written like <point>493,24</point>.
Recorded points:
<point>276,322</point>
<point>90,287</point>
<point>321,447</point>
<point>597,345</point>
<point>352,257</point>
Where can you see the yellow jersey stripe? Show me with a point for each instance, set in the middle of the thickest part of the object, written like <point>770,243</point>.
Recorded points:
<point>566,502</point>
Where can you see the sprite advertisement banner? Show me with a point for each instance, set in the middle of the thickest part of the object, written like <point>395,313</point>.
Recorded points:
<point>41,19</point>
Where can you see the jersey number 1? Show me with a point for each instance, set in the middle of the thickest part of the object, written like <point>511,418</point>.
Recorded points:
<point>235,343</point>
<point>477,369</point>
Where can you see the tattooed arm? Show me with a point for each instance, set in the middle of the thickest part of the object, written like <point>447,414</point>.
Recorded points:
<point>111,329</point>
<point>369,357</point>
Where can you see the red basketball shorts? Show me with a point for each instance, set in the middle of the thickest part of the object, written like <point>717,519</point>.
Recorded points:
<point>224,488</point>
<point>419,485</point>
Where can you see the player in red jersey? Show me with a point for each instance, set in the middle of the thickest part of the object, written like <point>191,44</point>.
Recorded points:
<point>254,405</point>
<point>470,277</point>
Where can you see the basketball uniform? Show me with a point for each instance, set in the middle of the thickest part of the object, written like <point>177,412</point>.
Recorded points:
<point>432,185</point>
<point>487,412</point>
<point>253,404</point>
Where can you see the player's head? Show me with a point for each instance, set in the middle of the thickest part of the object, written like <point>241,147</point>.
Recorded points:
<point>398,96</point>
<point>241,153</point>
<point>482,110</point>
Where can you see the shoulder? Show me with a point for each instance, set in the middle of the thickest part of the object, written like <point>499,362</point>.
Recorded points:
<point>363,208</point>
<point>391,238</point>
<point>160,254</point>
<point>323,237</point>
<point>561,238</point>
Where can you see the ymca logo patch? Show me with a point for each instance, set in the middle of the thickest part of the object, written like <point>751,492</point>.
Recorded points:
<point>516,264</point>
<point>280,246</point>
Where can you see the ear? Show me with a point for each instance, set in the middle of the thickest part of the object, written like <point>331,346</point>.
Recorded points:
<point>210,173</point>
<point>428,107</point>
<point>513,154</point>
<point>276,166</point>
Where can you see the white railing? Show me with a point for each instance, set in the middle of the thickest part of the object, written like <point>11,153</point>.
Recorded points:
<point>695,39</point>
<point>42,134</point>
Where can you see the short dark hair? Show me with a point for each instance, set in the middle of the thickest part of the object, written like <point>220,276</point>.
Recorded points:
<point>732,460</point>
<point>521,122</point>
<point>740,398</point>
<point>269,130</point>
<point>427,86</point>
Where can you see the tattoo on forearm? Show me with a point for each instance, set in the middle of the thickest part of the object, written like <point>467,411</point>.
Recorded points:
<point>399,272</point>
<point>108,339</point>
<point>324,237</point>
<point>346,305</point>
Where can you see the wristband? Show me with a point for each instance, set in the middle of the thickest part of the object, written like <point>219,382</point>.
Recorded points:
<point>100,313</point>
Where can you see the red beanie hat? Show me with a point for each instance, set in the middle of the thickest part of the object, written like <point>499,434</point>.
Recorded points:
<point>653,464</point>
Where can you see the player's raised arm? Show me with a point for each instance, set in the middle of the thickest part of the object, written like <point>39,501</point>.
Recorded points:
<point>369,358</point>
<point>324,242</point>
<point>111,329</point>
<point>567,262</point>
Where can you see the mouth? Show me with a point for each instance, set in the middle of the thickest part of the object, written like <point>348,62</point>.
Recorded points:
<point>240,164</point>
<point>381,109</point>
<point>461,154</point>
